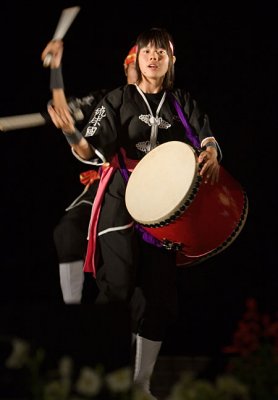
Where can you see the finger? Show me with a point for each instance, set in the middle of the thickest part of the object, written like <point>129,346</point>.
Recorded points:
<point>204,169</point>
<point>202,157</point>
<point>66,119</point>
<point>54,116</point>
<point>66,114</point>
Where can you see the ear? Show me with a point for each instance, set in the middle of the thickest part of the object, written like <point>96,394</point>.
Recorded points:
<point>174,59</point>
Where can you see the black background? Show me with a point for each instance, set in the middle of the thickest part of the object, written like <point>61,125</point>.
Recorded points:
<point>226,57</point>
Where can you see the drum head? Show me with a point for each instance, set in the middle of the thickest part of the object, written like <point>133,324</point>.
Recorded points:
<point>161,182</point>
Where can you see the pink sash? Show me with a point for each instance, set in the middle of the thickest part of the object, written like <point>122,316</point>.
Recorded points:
<point>90,263</point>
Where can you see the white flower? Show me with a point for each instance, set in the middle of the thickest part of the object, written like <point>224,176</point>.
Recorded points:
<point>119,380</point>
<point>188,388</point>
<point>229,384</point>
<point>20,354</point>
<point>65,367</point>
<point>55,391</point>
<point>89,382</point>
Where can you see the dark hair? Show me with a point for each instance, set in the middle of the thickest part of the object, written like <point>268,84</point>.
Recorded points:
<point>160,38</point>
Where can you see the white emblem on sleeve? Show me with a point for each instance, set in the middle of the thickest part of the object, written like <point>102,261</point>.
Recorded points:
<point>95,121</point>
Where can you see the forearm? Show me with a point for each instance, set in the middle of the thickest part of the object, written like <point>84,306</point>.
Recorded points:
<point>84,149</point>
<point>57,87</point>
<point>80,145</point>
<point>58,98</point>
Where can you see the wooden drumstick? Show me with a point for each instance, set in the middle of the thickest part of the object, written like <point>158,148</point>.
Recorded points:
<point>21,121</point>
<point>66,19</point>
<point>14,122</point>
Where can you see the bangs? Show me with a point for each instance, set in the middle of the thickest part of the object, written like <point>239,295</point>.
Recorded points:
<point>156,37</point>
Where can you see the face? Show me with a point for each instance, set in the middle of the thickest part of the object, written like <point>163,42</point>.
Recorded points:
<point>131,73</point>
<point>153,62</point>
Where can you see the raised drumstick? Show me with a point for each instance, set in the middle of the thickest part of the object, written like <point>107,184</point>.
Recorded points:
<point>66,19</point>
<point>14,122</point>
<point>21,121</point>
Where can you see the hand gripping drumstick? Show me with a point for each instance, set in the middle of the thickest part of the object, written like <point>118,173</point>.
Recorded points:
<point>37,119</point>
<point>66,19</point>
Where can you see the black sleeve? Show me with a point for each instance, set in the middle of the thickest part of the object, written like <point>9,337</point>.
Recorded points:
<point>198,119</point>
<point>83,107</point>
<point>102,127</point>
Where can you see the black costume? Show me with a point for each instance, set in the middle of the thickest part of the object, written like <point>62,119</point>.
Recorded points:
<point>128,268</point>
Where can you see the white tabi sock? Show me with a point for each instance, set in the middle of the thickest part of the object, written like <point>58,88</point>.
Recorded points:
<point>146,355</point>
<point>71,281</point>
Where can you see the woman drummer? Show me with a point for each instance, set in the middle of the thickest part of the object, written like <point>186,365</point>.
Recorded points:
<point>127,124</point>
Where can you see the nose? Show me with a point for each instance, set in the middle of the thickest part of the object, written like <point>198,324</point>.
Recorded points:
<point>154,54</point>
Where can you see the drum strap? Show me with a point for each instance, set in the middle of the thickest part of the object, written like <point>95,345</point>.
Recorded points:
<point>188,130</point>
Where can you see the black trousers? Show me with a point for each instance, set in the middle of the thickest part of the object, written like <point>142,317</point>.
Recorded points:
<point>70,235</point>
<point>70,239</point>
<point>141,275</point>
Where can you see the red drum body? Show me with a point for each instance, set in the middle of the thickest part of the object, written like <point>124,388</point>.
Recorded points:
<point>167,196</point>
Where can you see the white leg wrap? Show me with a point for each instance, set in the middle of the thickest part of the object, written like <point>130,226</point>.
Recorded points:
<point>71,281</point>
<point>146,355</point>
